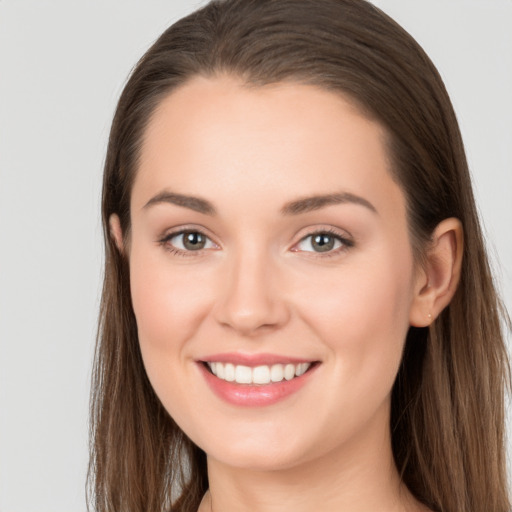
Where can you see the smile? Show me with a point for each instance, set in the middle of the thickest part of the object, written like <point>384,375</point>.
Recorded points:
<point>263,374</point>
<point>255,381</point>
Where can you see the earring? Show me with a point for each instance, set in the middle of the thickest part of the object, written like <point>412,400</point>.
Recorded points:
<point>430,317</point>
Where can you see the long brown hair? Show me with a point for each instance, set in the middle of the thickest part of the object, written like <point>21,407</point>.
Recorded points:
<point>447,415</point>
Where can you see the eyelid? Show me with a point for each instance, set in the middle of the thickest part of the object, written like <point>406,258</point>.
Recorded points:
<point>168,235</point>
<point>183,228</point>
<point>343,236</point>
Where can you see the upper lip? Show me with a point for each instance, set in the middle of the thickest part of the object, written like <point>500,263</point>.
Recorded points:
<point>253,360</point>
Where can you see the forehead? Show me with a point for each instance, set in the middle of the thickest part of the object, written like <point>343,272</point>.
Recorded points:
<point>217,136</point>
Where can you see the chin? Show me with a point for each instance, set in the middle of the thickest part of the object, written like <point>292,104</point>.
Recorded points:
<point>262,459</point>
<point>261,450</point>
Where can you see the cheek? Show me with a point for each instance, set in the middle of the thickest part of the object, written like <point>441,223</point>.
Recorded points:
<point>168,305</point>
<point>166,300</point>
<point>362,314</point>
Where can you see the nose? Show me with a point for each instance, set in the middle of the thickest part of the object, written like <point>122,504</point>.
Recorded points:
<point>251,300</point>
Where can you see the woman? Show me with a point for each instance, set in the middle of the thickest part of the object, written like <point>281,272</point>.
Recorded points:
<point>298,312</point>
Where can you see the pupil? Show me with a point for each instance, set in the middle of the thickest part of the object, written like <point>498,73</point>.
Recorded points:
<point>323,243</point>
<point>193,241</point>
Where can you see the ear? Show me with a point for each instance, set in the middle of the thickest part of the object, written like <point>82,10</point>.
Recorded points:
<point>116,232</point>
<point>437,281</point>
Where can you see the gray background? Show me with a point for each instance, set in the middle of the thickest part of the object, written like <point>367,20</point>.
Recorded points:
<point>62,66</point>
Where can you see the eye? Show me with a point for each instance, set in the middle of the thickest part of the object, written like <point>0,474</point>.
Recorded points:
<point>187,241</point>
<point>322,242</point>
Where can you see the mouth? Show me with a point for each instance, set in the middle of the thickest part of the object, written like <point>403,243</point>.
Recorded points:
<point>255,384</point>
<point>258,375</point>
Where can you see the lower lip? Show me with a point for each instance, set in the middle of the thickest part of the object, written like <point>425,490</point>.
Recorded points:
<point>251,395</point>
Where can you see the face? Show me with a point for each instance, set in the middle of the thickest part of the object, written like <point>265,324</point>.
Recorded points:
<point>269,245</point>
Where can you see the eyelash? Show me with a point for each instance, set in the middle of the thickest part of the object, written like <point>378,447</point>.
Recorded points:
<point>179,252</point>
<point>346,243</point>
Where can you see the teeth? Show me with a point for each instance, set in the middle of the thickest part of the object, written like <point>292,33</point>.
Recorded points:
<point>258,375</point>
<point>301,369</point>
<point>289,371</point>
<point>261,375</point>
<point>243,374</point>
<point>229,371</point>
<point>277,373</point>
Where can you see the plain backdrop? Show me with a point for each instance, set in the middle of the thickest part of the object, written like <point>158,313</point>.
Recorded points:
<point>62,67</point>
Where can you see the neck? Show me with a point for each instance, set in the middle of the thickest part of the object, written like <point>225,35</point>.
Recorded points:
<point>361,477</point>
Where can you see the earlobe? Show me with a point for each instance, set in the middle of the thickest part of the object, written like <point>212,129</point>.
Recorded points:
<point>116,232</point>
<point>441,274</point>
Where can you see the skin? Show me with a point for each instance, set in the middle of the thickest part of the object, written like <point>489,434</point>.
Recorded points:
<point>260,286</point>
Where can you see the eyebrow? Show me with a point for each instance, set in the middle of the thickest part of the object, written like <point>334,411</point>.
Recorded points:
<point>193,203</point>
<point>303,205</point>
<point>308,204</point>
